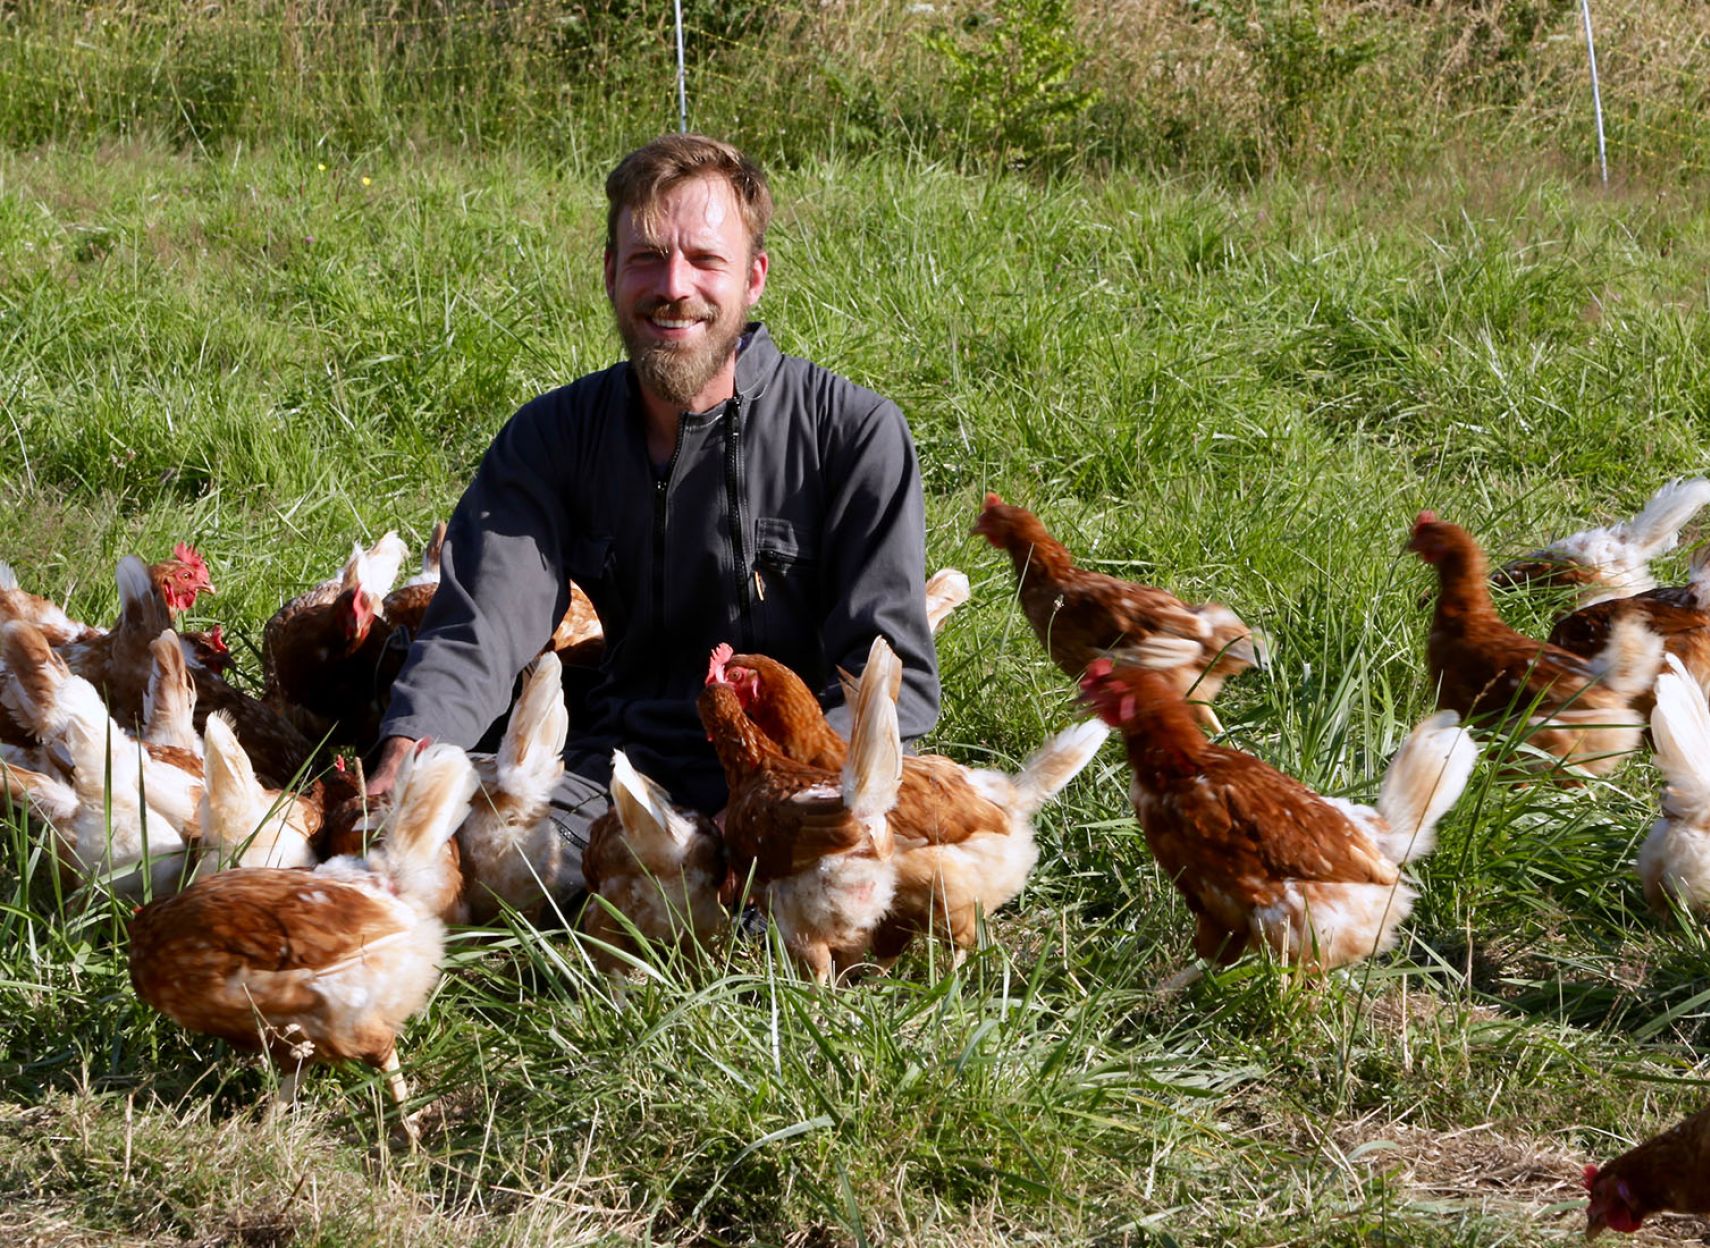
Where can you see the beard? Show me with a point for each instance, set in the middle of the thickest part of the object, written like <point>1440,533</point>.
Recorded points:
<point>678,371</point>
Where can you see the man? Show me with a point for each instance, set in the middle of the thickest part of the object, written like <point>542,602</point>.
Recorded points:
<point>710,489</point>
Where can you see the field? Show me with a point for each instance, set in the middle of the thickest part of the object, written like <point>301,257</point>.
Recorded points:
<point>1240,388</point>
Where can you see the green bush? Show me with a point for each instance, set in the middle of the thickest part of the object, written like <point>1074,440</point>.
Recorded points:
<point>1011,72</point>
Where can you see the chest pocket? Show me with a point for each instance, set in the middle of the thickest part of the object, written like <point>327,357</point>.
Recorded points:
<point>786,583</point>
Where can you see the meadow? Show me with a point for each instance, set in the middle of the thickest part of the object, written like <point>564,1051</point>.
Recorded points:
<point>1242,388</point>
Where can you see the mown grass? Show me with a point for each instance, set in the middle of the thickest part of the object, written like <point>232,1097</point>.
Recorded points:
<point>1240,394</point>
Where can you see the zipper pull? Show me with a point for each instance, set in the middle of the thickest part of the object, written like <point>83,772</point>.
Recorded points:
<point>759,585</point>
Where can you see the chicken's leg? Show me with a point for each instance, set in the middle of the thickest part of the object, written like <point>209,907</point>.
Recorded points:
<point>286,1094</point>
<point>400,1092</point>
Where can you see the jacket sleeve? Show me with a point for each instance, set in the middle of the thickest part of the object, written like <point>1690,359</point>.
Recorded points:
<point>875,547</point>
<point>502,586</point>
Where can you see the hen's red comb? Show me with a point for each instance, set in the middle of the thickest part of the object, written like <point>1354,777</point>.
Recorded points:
<point>1590,1176</point>
<point>1097,670</point>
<point>338,763</point>
<point>722,654</point>
<point>1425,518</point>
<point>992,500</point>
<point>184,552</point>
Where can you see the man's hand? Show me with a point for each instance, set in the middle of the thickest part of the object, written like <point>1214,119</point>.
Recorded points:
<point>393,752</point>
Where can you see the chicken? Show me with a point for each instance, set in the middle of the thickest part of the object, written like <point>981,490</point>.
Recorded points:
<point>404,607</point>
<point>314,966</point>
<point>1674,861</point>
<point>1613,562</point>
<point>169,706</point>
<point>946,589</point>
<point>580,638</point>
<point>1079,616</point>
<point>815,843</point>
<point>1679,614</point>
<point>208,649</point>
<point>658,865</point>
<point>964,836</point>
<point>1582,710</point>
<point>19,604</point>
<point>243,823</point>
<point>135,803</point>
<point>178,579</point>
<point>1669,1173</point>
<point>321,652</point>
<point>512,852</point>
<point>1260,857</point>
<point>118,662</point>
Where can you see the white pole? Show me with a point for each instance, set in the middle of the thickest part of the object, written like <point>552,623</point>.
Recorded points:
<point>683,87</point>
<point>1596,96</point>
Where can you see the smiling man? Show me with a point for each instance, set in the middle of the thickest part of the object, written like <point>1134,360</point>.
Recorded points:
<point>710,489</point>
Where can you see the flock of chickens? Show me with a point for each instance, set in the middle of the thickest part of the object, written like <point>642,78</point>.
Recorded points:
<point>285,914</point>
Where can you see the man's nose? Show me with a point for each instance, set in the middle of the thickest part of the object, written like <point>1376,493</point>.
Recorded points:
<point>677,280</point>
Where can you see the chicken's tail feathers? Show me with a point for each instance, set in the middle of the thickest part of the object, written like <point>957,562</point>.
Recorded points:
<point>872,770</point>
<point>434,788</point>
<point>142,607</point>
<point>432,553</point>
<point>1629,661</point>
<point>1680,725</point>
<point>1655,530</point>
<point>34,678</point>
<point>531,756</point>
<point>170,689</point>
<point>643,807</point>
<point>946,590</point>
<point>233,797</point>
<point>1057,762</point>
<point>1425,778</point>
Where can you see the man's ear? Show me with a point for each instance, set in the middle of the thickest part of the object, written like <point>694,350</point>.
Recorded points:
<point>611,273</point>
<point>757,276</point>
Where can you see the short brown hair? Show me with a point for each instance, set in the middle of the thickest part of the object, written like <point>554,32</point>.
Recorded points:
<point>643,177</point>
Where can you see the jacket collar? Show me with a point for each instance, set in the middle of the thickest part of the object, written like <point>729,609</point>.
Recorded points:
<point>758,362</point>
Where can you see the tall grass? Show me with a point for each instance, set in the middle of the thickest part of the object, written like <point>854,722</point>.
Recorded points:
<point>1233,87</point>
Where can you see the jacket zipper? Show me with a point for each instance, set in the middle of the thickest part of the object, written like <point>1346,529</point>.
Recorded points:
<point>661,497</point>
<point>733,484</point>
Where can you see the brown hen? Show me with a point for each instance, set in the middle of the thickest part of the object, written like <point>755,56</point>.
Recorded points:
<point>964,836</point>
<point>1259,856</point>
<point>1669,1173</point>
<point>317,966</point>
<point>1583,711</point>
<point>816,843</point>
<point>1080,616</point>
<point>658,865</point>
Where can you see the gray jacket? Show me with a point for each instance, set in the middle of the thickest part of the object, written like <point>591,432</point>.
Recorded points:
<point>789,523</point>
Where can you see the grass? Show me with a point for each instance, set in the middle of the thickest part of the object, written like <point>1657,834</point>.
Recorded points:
<point>1244,394</point>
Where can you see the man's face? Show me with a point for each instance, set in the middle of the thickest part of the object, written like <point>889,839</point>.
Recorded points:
<point>681,288</point>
